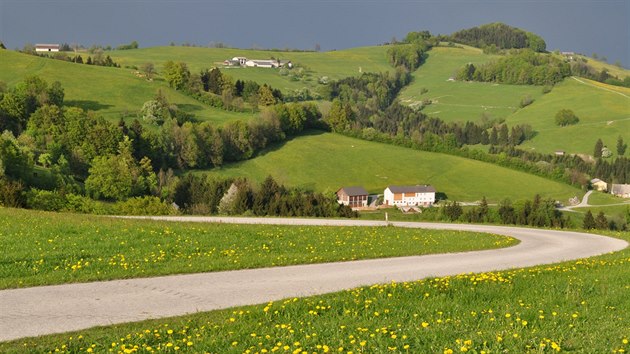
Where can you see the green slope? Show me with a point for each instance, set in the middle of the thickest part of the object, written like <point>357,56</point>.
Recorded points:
<point>110,91</point>
<point>604,112</point>
<point>334,64</point>
<point>329,161</point>
<point>462,101</point>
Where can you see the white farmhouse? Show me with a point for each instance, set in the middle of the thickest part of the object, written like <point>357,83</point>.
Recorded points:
<point>46,47</point>
<point>620,190</point>
<point>418,195</point>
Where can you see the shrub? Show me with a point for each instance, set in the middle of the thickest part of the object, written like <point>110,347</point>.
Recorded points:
<point>11,193</point>
<point>147,205</point>
<point>81,204</point>
<point>566,117</point>
<point>45,200</point>
<point>526,101</point>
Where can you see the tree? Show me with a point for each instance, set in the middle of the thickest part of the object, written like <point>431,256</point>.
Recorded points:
<point>2,46</point>
<point>601,222</point>
<point>503,138</point>
<point>148,69</point>
<point>453,211</point>
<point>176,74</point>
<point>566,117</point>
<point>117,177</point>
<point>589,221</point>
<point>265,96</point>
<point>621,146</point>
<point>599,145</point>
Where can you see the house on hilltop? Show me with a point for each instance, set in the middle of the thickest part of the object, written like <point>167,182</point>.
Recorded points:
<point>46,47</point>
<point>418,195</point>
<point>620,190</point>
<point>599,185</point>
<point>268,63</point>
<point>352,196</point>
<point>258,63</point>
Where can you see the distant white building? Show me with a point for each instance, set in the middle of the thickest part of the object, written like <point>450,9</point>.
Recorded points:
<point>258,63</point>
<point>620,190</point>
<point>46,47</point>
<point>419,195</point>
<point>599,185</point>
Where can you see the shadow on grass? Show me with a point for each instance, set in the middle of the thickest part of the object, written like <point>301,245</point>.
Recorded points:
<point>279,145</point>
<point>87,105</point>
<point>187,107</point>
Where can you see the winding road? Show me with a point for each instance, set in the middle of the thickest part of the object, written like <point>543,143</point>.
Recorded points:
<point>54,309</point>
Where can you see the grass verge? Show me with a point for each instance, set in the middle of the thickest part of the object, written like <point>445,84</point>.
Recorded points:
<point>579,306</point>
<point>46,248</point>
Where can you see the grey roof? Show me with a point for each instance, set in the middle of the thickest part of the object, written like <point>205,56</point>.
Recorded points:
<point>412,189</point>
<point>354,191</point>
<point>595,180</point>
<point>620,189</point>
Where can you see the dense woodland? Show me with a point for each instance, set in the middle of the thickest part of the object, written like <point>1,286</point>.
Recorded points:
<point>498,36</point>
<point>524,67</point>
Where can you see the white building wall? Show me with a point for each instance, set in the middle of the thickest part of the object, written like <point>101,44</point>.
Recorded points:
<point>388,197</point>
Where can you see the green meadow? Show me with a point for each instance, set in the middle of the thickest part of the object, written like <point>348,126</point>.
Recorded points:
<point>333,64</point>
<point>327,162</point>
<point>603,110</point>
<point>462,101</point>
<point>111,92</point>
<point>41,248</point>
<point>580,306</point>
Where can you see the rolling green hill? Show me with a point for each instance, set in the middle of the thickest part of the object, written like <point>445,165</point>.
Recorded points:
<point>604,110</point>
<point>329,161</point>
<point>109,91</point>
<point>333,64</point>
<point>462,101</point>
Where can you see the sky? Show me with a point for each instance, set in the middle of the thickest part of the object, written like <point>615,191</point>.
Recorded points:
<point>587,27</point>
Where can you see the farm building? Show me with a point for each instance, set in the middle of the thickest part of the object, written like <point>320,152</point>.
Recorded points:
<point>46,47</point>
<point>599,185</point>
<point>352,196</point>
<point>270,63</point>
<point>258,63</point>
<point>620,190</point>
<point>419,195</point>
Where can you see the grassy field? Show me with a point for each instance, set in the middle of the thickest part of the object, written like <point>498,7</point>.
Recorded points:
<point>601,198</point>
<point>598,65</point>
<point>603,110</point>
<point>462,101</point>
<point>334,64</point>
<point>580,306</point>
<point>327,161</point>
<point>108,91</point>
<point>50,248</point>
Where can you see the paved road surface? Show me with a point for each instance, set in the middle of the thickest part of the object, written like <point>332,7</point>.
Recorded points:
<point>53,309</point>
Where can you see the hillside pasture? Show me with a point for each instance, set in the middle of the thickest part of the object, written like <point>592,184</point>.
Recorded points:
<point>326,162</point>
<point>333,64</point>
<point>111,92</point>
<point>462,101</point>
<point>603,110</point>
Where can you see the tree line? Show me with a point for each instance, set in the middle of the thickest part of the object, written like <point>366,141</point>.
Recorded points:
<point>523,67</point>
<point>119,161</point>
<point>366,107</point>
<point>498,35</point>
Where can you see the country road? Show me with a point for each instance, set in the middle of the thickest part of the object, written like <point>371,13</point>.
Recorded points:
<point>61,308</point>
